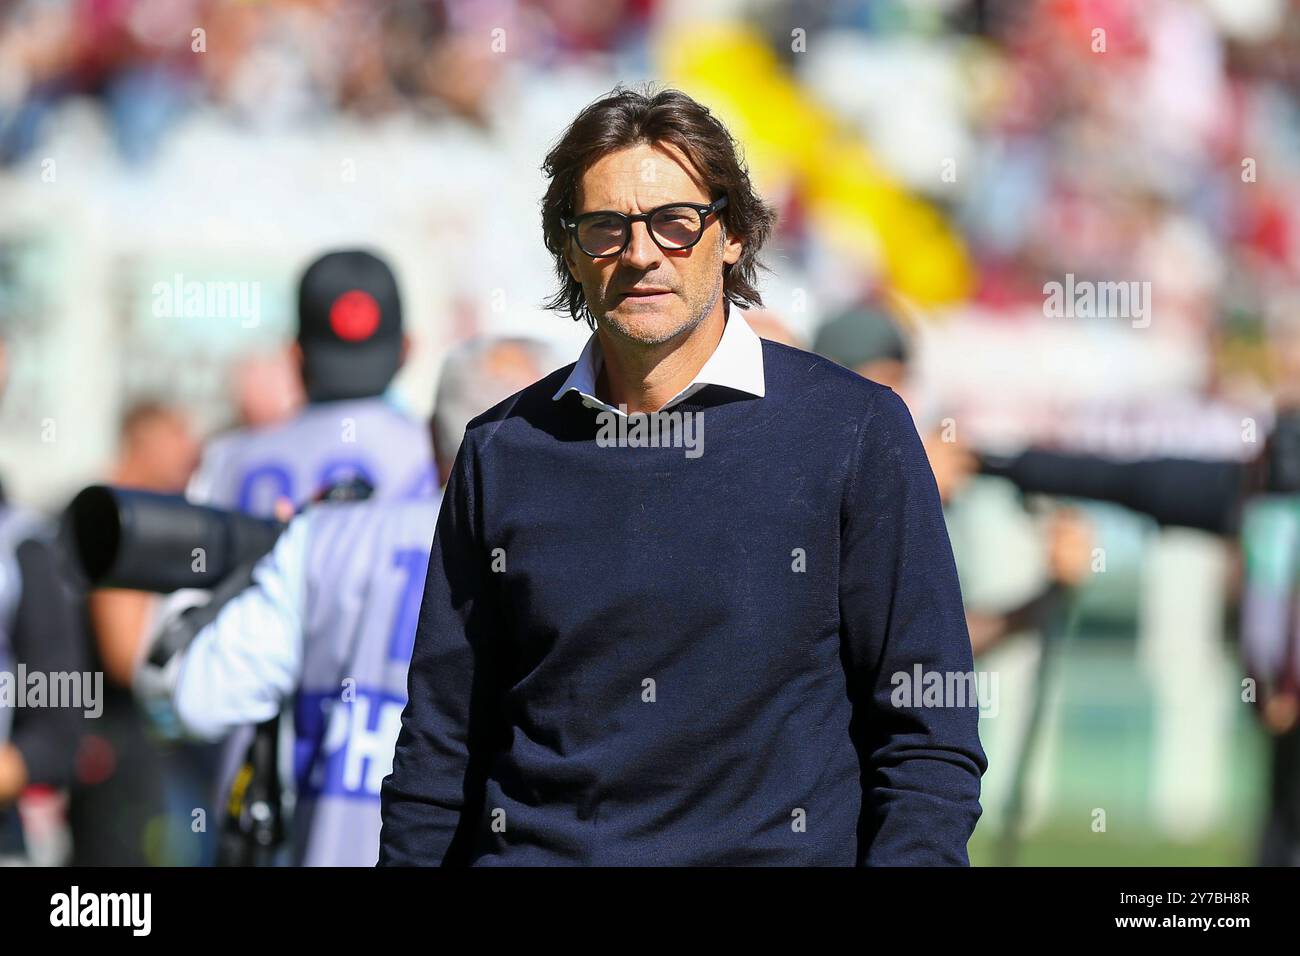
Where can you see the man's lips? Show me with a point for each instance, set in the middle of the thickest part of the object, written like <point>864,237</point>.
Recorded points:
<point>645,293</point>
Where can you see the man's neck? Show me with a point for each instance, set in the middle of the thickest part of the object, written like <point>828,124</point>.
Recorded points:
<point>645,377</point>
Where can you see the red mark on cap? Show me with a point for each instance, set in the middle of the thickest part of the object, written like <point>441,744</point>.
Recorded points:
<point>354,316</point>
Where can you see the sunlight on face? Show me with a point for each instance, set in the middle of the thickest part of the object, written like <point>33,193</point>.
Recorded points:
<point>688,282</point>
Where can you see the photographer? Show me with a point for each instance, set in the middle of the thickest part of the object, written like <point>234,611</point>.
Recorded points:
<point>349,347</point>
<point>328,621</point>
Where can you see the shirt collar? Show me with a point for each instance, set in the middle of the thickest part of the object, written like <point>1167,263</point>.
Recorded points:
<point>737,363</point>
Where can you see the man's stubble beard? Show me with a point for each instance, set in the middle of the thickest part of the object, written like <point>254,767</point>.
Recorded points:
<point>696,314</point>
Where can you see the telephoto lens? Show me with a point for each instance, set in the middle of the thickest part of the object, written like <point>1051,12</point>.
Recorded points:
<point>145,541</point>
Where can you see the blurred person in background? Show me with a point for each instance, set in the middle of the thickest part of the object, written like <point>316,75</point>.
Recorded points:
<point>157,448</point>
<point>1247,501</point>
<point>118,810</point>
<point>268,390</point>
<point>767,324</point>
<point>350,345</point>
<point>43,632</point>
<point>327,622</point>
<point>157,451</point>
<point>472,380</point>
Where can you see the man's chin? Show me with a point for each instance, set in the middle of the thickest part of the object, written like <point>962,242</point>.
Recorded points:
<point>649,326</point>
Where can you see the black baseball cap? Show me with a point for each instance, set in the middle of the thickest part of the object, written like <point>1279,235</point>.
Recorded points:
<point>349,326</point>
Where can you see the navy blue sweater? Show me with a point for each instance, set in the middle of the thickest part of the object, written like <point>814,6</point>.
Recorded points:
<point>630,656</point>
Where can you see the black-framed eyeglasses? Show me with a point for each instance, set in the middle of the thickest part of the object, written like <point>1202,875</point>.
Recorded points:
<point>673,227</point>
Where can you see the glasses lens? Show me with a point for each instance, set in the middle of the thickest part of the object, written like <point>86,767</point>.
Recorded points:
<point>676,226</point>
<point>600,235</point>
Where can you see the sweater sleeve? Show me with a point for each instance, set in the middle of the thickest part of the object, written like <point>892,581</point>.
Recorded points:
<point>903,629</point>
<point>437,780</point>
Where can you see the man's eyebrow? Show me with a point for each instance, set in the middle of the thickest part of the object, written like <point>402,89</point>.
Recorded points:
<point>658,205</point>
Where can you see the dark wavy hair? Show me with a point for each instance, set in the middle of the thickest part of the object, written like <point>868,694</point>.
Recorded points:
<point>627,117</point>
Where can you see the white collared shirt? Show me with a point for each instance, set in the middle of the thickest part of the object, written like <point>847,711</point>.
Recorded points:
<point>737,363</point>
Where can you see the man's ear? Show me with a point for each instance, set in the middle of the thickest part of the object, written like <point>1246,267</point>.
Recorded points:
<point>569,260</point>
<point>732,247</point>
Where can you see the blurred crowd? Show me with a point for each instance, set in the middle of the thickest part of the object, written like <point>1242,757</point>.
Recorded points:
<point>996,146</point>
<point>1093,137</point>
<point>282,62</point>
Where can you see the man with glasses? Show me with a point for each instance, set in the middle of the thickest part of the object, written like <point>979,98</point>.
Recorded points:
<point>628,655</point>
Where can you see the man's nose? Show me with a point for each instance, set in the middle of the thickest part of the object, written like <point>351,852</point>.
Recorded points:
<point>641,252</point>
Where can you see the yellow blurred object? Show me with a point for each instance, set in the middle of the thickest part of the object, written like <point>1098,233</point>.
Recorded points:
<point>787,136</point>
